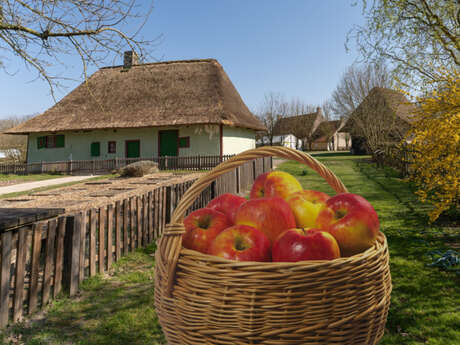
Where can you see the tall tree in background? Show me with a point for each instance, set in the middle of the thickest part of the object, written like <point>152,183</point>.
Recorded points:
<point>42,32</point>
<point>419,38</point>
<point>272,109</point>
<point>14,146</point>
<point>355,85</point>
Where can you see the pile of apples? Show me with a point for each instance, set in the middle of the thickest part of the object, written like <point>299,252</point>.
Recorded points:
<point>281,222</point>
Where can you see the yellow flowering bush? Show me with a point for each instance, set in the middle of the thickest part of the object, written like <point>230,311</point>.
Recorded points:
<point>435,145</point>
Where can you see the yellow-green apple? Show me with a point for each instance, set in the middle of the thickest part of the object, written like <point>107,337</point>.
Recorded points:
<point>228,204</point>
<point>241,243</point>
<point>281,184</point>
<point>352,220</point>
<point>305,244</point>
<point>258,187</point>
<point>306,206</point>
<point>270,215</point>
<point>201,227</point>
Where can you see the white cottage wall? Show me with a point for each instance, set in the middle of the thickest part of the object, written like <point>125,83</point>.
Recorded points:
<point>236,140</point>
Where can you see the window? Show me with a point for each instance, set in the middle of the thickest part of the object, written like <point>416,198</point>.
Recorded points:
<point>184,142</point>
<point>95,149</point>
<point>51,141</point>
<point>112,147</point>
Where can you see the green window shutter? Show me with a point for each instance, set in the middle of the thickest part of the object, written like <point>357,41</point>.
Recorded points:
<point>41,142</point>
<point>95,149</point>
<point>60,141</point>
<point>184,142</point>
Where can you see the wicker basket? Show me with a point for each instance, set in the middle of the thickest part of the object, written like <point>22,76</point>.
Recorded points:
<point>202,299</point>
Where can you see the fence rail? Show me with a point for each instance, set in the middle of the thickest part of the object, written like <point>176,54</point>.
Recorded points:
<point>43,259</point>
<point>104,165</point>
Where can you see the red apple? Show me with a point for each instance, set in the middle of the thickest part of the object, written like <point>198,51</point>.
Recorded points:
<point>258,189</point>
<point>281,184</point>
<point>228,204</point>
<point>270,215</point>
<point>201,227</point>
<point>352,220</point>
<point>306,206</point>
<point>241,243</point>
<point>301,244</point>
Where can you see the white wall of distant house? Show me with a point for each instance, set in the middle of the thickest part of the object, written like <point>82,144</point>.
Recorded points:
<point>236,140</point>
<point>288,140</point>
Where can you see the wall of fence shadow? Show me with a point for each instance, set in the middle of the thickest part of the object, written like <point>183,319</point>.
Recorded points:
<point>41,260</point>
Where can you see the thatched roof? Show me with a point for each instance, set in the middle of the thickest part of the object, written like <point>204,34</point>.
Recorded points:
<point>326,130</point>
<point>392,100</point>
<point>299,125</point>
<point>147,95</point>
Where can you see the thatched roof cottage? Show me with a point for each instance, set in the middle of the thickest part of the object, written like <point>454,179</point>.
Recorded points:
<point>330,136</point>
<point>175,108</point>
<point>301,126</point>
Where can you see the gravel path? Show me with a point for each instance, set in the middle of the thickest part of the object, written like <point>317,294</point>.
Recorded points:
<point>21,187</point>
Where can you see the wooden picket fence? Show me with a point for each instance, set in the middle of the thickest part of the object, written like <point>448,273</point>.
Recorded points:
<point>43,259</point>
<point>106,165</point>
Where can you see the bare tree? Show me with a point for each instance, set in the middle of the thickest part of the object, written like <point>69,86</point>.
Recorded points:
<point>14,146</point>
<point>42,32</point>
<point>272,109</point>
<point>355,85</point>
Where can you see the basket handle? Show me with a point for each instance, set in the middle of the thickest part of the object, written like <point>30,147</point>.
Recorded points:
<point>170,243</point>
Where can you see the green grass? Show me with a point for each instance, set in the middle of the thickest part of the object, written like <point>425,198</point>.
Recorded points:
<point>61,185</point>
<point>118,309</point>
<point>111,310</point>
<point>29,178</point>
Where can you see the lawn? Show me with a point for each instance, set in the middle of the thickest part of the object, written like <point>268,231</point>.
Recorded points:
<point>118,309</point>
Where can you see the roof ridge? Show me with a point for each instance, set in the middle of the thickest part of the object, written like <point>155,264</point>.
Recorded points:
<point>164,63</point>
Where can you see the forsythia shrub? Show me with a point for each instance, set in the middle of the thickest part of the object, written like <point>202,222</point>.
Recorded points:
<point>435,146</point>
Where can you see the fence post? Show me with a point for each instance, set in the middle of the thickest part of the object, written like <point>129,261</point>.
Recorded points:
<point>41,167</point>
<point>238,180</point>
<point>168,208</point>
<point>72,243</point>
<point>199,162</point>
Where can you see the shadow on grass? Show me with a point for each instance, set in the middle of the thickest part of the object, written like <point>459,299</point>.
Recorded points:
<point>117,310</point>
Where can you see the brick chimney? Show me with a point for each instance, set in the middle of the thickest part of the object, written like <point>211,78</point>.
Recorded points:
<point>130,58</point>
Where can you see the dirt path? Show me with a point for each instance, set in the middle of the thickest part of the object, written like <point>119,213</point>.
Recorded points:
<point>21,187</point>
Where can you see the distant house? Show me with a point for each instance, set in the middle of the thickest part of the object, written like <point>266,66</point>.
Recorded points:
<point>384,111</point>
<point>174,108</point>
<point>329,136</point>
<point>288,140</point>
<point>301,126</point>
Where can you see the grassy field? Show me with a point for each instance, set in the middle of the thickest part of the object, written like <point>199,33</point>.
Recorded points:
<point>425,309</point>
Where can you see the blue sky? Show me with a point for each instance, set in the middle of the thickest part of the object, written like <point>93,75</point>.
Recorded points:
<point>294,47</point>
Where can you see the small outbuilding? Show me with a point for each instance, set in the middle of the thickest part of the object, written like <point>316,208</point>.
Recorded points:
<point>174,108</point>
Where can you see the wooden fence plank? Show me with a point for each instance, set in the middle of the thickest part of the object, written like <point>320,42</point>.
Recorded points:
<point>59,256</point>
<point>139,226</point>
<point>75,254</point>
<point>49,261</point>
<point>109,235</point>
<point>125,226</point>
<point>156,214</point>
<point>149,217</point>
<point>118,223</point>
<point>145,219</point>
<point>132,221</point>
<point>36,247</point>
<point>83,244</point>
<point>5,277</point>
<point>92,243</point>
<point>101,241</point>
<point>21,258</point>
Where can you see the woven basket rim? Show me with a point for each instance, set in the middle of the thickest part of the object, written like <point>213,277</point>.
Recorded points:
<point>376,249</point>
